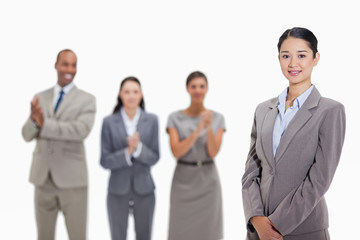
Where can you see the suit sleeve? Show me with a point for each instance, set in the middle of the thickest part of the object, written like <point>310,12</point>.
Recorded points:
<point>30,131</point>
<point>252,201</point>
<point>150,151</point>
<point>111,158</point>
<point>76,130</point>
<point>300,202</point>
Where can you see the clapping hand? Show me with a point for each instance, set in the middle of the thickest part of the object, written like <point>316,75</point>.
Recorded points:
<point>206,117</point>
<point>133,142</point>
<point>36,112</point>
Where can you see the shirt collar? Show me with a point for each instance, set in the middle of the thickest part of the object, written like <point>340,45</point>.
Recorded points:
<point>66,89</point>
<point>299,101</point>
<point>126,118</point>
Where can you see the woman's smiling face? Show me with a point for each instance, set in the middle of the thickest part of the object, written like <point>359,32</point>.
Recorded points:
<point>297,60</point>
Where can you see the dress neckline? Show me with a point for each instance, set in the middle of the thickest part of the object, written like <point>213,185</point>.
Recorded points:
<point>184,114</point>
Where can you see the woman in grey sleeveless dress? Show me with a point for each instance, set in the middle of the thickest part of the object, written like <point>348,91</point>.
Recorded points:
<point>195,138</point>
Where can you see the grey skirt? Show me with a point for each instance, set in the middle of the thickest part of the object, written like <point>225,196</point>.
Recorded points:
<point>196,204</point>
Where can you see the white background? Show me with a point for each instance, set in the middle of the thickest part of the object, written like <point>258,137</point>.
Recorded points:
<point>161,42</point>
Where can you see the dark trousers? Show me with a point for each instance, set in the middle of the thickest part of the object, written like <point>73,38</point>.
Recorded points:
<point>119,207</point>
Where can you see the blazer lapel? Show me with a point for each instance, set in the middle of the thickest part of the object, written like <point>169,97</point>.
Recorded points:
<point>120,125</point>
<point>142,120</point>
<point>119,130</point>
<point>47,103</point>
<point>299,120</point>
<point>267,132</point>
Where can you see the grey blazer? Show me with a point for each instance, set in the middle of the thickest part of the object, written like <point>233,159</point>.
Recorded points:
<point>59,143</point>
<point>290,188</point>
<point>113,146</point>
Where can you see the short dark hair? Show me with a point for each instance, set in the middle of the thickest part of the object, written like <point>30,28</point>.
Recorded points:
<point>302,33</point>
<point>119,101</point>
<point>62,51</point>
<point>195,74</point>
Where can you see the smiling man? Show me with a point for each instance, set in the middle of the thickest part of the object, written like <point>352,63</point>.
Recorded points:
<point>60,119</point>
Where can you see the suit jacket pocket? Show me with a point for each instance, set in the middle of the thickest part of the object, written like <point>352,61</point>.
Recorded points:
<point>72,153</point>
<point>143,182</point>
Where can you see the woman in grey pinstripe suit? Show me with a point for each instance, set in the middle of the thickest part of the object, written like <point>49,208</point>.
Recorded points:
<point>129,147</point>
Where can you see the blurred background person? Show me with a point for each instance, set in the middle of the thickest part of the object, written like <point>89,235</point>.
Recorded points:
<point>129,148</point>
<point>195,139</point>
<point>61,118</point>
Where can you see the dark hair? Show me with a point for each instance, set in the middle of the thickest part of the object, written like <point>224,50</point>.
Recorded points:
<point>195,74</point>
<point>302,33</point>
<point>119,101</point>
<point>62,51</point>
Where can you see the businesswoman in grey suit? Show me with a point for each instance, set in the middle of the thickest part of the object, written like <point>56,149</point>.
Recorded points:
<point>296,142</point>
<point>129,147</point>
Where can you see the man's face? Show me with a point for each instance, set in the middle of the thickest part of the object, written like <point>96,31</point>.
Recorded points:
<point>66,68</point>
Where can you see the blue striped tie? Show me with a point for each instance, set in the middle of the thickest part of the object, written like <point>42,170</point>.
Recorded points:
<point>59,100</point>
